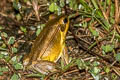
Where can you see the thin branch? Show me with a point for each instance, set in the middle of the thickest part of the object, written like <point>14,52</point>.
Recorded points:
<point>116,11</point>
<point>9,47</point>
<point>108,9</point>
<point>101,8</point>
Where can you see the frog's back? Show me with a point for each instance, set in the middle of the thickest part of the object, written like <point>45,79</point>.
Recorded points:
<point>47,45</point>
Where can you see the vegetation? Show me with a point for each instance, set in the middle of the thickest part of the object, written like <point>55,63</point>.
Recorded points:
<point>93,39</point>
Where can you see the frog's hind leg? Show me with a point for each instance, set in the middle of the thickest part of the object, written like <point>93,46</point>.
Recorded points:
<point>65,57</point>
<point>44,66</point>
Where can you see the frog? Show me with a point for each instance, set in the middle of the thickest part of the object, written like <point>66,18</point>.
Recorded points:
<point>49,46</point>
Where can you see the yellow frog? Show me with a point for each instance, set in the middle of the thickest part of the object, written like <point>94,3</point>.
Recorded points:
<point>49,46</point>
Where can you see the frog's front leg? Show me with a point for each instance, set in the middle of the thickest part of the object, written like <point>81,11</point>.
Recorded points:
<point>65,57</point>
<point>44,66</point>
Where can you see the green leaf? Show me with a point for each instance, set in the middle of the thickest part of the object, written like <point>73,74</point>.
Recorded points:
<point>1,73</point>
<point>3,45</point>
<point>77,25</point>
<point>95,63</point>
<point>4,34</point>
<point>114,76</point>
<point>62,4</point>
<point>108,2</point>
<point>16,5</point>
<point>15,77</point>
<point>81,64</point>
<point>0,69</point>
<point>65,67</point>
<point>112,20</point>
<point>95,73</point>
<point>18,17</point>
<point>5,69</point>
<point>94,32</point>
<point>38,31</point>
<point>1,27</point>
<point>99,14</point>
<point>3,49</point>
<point>7,58</point>
<point>23,29</point>
<point>14,50</point>
<point>107,48</point>
<point>18,66</point>
<point>53,7</point>
<point>73,4</point>
<point>112,10</point>
<point>85,4</point>
<point>14,60</point>
<point>96,70</point>
<point>1,56</point>
<point>25,1</point>
<point>107,24</point>
<point>11,40</point>
<point>4,53</point>
<point>85,24</point>
<point>62,64</point>
<point>107,69</point>
<point>41,26</point>
<point>95,4</point>
<point>117,57</point>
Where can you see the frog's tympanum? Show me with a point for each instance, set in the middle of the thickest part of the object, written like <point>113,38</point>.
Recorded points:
<point>49,46</point>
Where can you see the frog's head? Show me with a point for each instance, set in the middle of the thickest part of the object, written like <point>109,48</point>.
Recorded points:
<point>64,25</point>
<point>62,22</point>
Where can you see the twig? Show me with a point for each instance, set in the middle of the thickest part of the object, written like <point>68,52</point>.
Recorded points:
<point>117,11</point>
<point>9,66</point>
<point>113,35</point>
<point>9,47</point>
<point>47,77</point>
<point>107,59</point>
<point>116,70</point>
<point>117,15</point>
<point>113,63</point>
<point>108,9</point>
<point>101,8</point>
<point>76,70</point>
<point>117,28</point>
<point>36,9</point>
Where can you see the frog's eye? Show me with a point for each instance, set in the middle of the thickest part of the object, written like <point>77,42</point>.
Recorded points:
<point>65,20</point>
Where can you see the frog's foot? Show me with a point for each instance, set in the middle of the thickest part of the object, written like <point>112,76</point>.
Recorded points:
<point>44,67</point>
